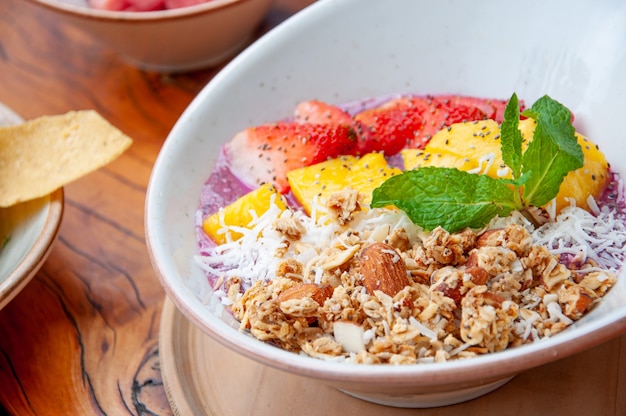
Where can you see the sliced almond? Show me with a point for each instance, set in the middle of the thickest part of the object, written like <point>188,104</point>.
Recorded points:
<point>306,290</point>
<point>349,335</point>
<point>383,269</point>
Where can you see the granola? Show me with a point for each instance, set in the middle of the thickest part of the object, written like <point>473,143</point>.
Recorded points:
<point>468,293</point>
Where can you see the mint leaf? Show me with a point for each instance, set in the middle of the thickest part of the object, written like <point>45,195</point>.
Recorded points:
<point>454,199</point>
<point>553,152</point>
<point>511,137</point>
<point>446,197</point>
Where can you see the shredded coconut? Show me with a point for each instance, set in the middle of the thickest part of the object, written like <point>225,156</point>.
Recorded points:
<point>577,232</point>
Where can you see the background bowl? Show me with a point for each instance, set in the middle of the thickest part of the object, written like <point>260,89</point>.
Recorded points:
<point>31,227</point>
<point>173,40</point>
<point>372,48</point>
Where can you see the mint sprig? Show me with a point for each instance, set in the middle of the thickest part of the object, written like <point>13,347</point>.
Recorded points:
<point>455,199</point>
<point>552,154</point>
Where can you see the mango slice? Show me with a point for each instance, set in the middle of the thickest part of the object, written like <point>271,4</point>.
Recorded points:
<point>318,182</point>
<point>475,147</point>
<point>241,213</point>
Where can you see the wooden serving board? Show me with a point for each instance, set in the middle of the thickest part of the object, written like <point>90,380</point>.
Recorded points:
<point>202,377</point>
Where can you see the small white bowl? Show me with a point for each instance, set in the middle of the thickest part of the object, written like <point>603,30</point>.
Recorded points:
<point>343,50</point>
<point>31,228</point>
<point>173,40</point>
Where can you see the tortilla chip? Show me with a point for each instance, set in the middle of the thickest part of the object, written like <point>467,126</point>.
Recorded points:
<point>44,154</point>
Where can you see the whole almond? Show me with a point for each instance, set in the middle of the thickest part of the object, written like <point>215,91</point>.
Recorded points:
<point>304,290</point>
<point>383,269</point>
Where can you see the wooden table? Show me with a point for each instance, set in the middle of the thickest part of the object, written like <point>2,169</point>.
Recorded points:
<point>82,337</point>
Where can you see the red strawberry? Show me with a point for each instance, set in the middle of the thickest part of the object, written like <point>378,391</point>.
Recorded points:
<point>410,122</point>
<point>318,112</point>
<point>442,113</point>
<point>493,108</point>
<point>266,153</point>
<point>391,126</point>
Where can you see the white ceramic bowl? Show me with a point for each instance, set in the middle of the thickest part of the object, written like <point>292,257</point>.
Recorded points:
<point>173,40</point>
<point>31,228</point>
<point>372,48</point>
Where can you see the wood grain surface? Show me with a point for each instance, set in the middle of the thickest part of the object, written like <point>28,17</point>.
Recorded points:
<point>82,337</point>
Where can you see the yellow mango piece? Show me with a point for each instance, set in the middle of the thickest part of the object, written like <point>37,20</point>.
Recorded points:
<point>475,147</point>
<point>323,179</point>
<point>241,213</point>
<point>471,146</point>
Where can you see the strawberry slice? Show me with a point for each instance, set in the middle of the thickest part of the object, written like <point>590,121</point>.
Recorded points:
<point>318,112</point>
<point>411,121</point>
<point>391,126</point>
<point>493,108</point>
<point>264,154</point>
<point>441,114</point>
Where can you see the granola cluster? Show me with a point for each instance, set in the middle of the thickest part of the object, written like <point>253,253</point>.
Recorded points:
<point>462,295</point>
